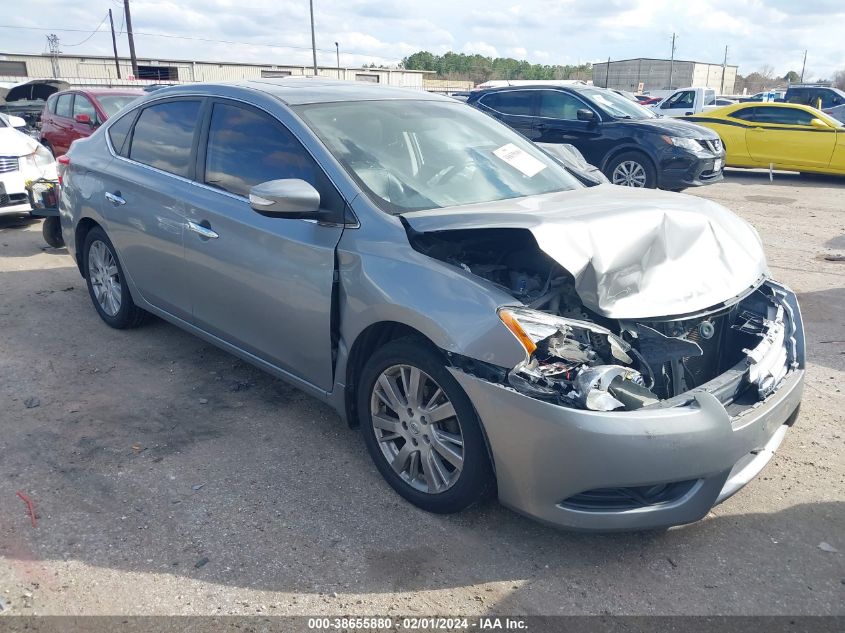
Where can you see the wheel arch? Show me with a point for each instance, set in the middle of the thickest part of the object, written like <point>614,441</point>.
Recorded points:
<point>632,149</point>
<point>368,341</point>
<point>83,227</point>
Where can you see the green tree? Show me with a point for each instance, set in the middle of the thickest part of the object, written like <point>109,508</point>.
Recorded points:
<point>792,77</point>
<point>479,68</point>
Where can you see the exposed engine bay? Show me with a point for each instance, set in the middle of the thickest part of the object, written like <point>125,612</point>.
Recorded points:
<point>578,358</point>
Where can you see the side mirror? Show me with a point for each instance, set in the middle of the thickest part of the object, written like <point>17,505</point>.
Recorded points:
<point>585,115</point>
<point>286,198</point>
<point>818,123</point>
<point>82,118</point>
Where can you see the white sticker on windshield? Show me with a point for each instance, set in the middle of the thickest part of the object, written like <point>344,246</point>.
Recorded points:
<point>519,159</point>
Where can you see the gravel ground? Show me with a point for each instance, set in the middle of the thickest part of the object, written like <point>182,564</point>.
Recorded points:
<point>171,478</point>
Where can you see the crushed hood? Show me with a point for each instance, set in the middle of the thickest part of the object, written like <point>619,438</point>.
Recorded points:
<point>634,253</point>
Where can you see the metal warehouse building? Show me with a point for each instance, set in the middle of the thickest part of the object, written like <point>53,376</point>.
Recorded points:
<point>93,70</point>
<point>663,74</point>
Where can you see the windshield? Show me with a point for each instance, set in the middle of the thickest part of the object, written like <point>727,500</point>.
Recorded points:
<point>616,105</point>
<point>414,155</point>
<point>112,104</point>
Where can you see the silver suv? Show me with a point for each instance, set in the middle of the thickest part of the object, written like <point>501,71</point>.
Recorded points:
<point>598,356</point>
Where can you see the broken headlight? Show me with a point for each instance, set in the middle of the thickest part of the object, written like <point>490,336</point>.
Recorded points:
<point>575,362</point>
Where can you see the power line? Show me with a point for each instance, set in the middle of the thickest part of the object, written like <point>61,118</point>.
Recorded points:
<point>169,36</point>
<point>92,32</point>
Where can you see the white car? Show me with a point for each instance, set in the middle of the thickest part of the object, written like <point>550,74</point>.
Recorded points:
<point>22,158</point>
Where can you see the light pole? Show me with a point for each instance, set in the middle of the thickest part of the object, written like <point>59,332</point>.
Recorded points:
<point>337,52</point>
<point>313,39</point>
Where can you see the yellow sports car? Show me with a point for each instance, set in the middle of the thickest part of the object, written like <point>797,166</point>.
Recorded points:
<point>787,136</point>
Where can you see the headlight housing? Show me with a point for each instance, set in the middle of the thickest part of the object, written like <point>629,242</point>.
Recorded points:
<point>575,343</point>
<point>689,144</point>
<point>40,160</point>
<point>575,363</point>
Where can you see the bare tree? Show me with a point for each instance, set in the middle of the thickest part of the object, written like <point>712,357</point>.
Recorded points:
<point>839,79</point>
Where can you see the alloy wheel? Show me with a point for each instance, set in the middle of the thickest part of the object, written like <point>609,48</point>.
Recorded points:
<point>105,277</point>
<point>629,173</point>
<point>417,429</point>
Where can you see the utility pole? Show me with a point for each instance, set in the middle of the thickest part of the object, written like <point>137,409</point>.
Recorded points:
<point>337,50</point>
<point>313,39</point>
<point>672,62</point>
<point>724,65</point>
<point>804,65</point>
<point>607,74</point>
<point>131,38</point>
<point>114,45</point>
<point>53,43</point>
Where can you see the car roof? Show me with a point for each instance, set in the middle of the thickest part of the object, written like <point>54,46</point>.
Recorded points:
<point>97,92</point>
<point>305,90</point>
<point>538,86</point>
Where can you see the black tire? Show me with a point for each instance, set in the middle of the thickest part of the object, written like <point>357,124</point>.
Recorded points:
<point>633,157</point>
<point>128,315</point>
<point>49,147</point>
<point>476,480</point>
<point>51,231</point>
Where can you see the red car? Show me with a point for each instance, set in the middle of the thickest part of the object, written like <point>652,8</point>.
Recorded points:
<point>72,114</point>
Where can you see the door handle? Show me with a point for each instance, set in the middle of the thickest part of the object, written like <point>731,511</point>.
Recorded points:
<point>115,198</point>
<point>203,231</point>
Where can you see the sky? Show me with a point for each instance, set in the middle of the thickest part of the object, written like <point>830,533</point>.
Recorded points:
<point>758,33</point>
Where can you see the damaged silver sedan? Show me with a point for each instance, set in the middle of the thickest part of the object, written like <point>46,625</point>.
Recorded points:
<point>600,357</point>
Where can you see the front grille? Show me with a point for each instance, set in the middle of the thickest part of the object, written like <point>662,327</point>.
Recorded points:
<point>619,499</point>
<point>8,163</point>
<point>711,145</point>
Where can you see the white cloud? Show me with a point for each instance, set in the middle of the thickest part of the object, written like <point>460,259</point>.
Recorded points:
<point>482,48</point>
<point>757,32</point>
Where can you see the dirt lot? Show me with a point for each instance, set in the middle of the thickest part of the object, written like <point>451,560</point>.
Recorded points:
<point>171,478</point>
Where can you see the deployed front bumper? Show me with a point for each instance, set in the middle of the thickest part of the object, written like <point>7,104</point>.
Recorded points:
<point>545,455</point>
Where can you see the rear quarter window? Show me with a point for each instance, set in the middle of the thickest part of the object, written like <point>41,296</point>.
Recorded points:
<point>119,133</point>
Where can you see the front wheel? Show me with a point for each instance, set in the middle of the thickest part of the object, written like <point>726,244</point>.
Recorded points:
<point>632,169</point>
<point>421,429</point>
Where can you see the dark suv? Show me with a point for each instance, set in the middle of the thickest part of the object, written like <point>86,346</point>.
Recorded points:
<point>826,98</point>
<point>632,145</point>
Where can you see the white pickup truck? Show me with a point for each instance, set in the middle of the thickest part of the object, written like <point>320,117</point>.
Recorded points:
<point>686,101</point>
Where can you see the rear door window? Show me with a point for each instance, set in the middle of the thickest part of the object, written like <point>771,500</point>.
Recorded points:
<point>247,147</point>
<point>163,136</point>
<point>510,102</point>
<point>63,105</point>
<point>556,104</point>
<point>82,105</point>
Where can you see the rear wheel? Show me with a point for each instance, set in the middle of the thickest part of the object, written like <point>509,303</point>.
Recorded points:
<point>106,285</point>
<point>421,429</point>
<point>632,169</point>
<point>51,231</point>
